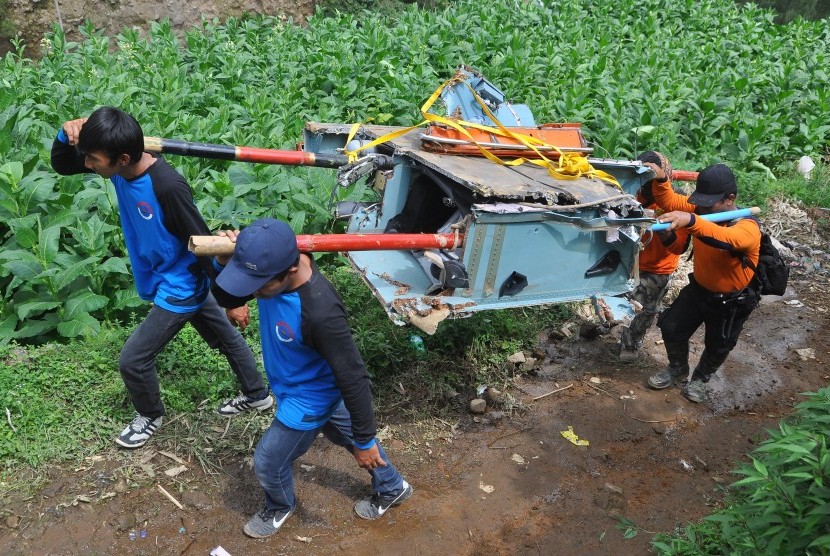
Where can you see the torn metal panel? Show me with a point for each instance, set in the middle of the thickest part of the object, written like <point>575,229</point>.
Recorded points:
<point>479,175</point>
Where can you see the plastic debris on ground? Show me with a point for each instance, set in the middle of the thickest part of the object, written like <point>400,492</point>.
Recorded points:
<point>571,437</point>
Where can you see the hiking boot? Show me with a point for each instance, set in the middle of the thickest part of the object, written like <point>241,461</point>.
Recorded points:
<point>628,355</point>
<point>377,504</point>
<point>243,403</point>
<point>666,377</point>
<point>139,431</point>
<point>695,391</point>
<point>266,523</point>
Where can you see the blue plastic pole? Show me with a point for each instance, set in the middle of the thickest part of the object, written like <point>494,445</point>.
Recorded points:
<point>715,217</point>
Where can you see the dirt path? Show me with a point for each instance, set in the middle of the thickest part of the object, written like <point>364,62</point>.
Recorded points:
<point>485,485</point>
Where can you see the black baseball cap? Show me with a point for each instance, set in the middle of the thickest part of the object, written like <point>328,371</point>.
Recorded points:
<point>713,184</point>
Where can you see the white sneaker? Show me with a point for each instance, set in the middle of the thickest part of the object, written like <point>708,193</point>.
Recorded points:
<point>139,431</point>
<point>243,403</point>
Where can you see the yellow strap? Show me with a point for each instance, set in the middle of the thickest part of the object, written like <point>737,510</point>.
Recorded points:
<point>569,165</point>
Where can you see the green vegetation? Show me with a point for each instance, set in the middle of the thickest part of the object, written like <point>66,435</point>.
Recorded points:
<point>743,90</point>
<point>713,81</point>
<point>782,505</point>
<point>49,387</point>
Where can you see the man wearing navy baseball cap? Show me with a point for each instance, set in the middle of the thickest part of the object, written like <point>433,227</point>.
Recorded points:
<point>313,367</point>
<point>722,292</point>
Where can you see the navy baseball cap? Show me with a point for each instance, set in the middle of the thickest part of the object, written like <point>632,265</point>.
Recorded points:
<point>713,184</point>
<point>264,249</point>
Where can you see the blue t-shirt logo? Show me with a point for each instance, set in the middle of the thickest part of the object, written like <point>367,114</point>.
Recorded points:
<point>284,332</point>
<point>145,210</point>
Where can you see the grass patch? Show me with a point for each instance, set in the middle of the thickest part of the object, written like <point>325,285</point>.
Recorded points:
<point>755,188</point>
<point>464,353</point>
<point>68,400</point>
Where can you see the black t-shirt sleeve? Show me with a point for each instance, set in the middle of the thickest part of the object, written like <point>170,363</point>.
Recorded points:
<point>181,217</point>
<point>330,335</point>
<point>66,160</point>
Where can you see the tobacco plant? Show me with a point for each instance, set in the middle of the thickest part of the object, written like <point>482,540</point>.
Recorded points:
<point>710,81</point>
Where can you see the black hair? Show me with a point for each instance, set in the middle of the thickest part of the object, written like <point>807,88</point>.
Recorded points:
<point>281,276</point>
<point>113,132</point>
<point>650,156</point>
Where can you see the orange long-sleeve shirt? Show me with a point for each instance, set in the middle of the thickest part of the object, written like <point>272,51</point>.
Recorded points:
<point>659,258</point>
<point>715,269</point>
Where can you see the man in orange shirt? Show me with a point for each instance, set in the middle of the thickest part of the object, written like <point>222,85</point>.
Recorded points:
<point>658,260</point>
<point>721,293</point>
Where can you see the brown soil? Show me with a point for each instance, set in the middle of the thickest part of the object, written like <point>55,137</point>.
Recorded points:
<point>32,18</point>
<point>485,484</point>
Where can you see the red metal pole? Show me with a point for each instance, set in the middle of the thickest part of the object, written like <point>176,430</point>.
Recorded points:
<point>683,175</point>
<point>221,245</point>
<point>376,242</point>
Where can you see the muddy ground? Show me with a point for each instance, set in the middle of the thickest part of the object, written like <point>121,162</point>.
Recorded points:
<point>498,483</point>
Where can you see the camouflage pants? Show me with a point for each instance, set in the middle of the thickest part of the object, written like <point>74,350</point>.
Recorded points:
<point>648,293</point>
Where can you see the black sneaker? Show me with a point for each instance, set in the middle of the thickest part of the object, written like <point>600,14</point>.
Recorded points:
<point>695,391</point>
<point>377,504</point>
<point>666,377</point>
<point>266,523</point>
<point>243,403</point>
<point>139,431</point>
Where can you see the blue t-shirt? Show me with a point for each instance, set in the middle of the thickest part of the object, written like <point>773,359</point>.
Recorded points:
<point>311,359</point>
<point>158,217</point>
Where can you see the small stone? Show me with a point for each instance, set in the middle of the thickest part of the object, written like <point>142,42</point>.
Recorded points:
<point>478,406</point>
<point>615,500</point>
<point>125,522</point>
<point>492,395</point>
<point>12,521</point>
<point>495,416</point>
<point>197,499</point>
<point>529,364</point>
<point>120,485</point>
<point>518,357</point>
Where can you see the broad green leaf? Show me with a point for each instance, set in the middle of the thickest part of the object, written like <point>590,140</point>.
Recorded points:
<point>81,324</point>
<point>114,264</point>
<point>48,243</point>
<point>7,326</point>
<point>83,302</point>
<point>75,270</point>
<point>126,299</point>
<point>34,308</point>
<point>23,264</point>
<point>11,172</point>
<point>31,328</point>
<point>25,237</point>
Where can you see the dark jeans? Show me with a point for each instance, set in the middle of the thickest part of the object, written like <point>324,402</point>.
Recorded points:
<point>724,318</point>
<point>280,446</point>
<point>138,356</point>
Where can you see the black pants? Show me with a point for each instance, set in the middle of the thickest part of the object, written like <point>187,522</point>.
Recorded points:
<point>724,317</point>
<point>138,357</point>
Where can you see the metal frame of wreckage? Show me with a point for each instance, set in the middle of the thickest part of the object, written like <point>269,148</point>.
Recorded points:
<point>492,236</point>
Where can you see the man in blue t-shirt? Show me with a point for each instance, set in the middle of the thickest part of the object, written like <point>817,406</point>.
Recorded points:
<point>313,367</point>
<point>158,217</point>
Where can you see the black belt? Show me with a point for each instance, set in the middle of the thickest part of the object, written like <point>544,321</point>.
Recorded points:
<point>724,298</point>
